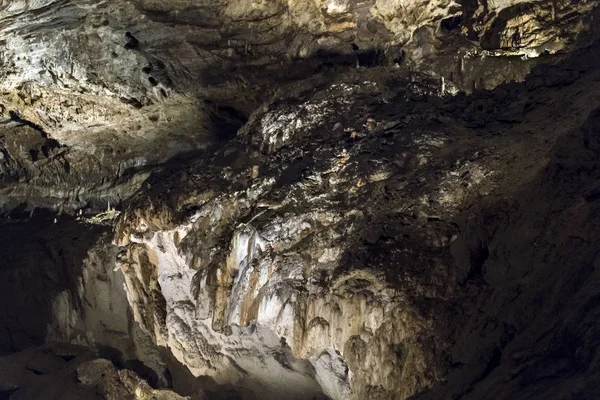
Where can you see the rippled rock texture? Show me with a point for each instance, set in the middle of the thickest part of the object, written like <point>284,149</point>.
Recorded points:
<point>316,199</point>
<point>371,233</point>
<point>115,87</point>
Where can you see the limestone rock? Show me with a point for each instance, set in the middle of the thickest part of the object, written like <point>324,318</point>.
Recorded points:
<point>342,267</point>
<point>299,199</point>
<point>115,86</point>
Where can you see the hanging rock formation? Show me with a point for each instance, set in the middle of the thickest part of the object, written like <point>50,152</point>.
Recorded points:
<point>358,253</point>
<point>299,199</point>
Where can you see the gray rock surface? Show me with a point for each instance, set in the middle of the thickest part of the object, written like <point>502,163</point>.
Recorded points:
<point>373,255</point>
<point>115,87</point>
<point>328,199</point>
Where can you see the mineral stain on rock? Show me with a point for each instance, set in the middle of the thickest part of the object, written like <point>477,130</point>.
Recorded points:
<point>333,199</point>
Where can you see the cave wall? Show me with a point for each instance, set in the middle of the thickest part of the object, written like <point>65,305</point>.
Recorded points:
<point>121,86</point>
<point>39,261</point>
<point>382,236</point>
<point>312,205</point>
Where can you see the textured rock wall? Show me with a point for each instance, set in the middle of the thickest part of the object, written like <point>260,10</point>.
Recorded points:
<point>60,284</point>
<point>37,171</point>
<point>334,230</point>
<point>122,85</point>
<point>327,248</point>
<point>95,313</point>
<point>534,333</point>
<point>38,262</point>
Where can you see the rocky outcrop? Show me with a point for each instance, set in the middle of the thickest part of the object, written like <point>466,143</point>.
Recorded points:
<point>118,86</point>
<point>59,277</point>
<point>312,204</point>
<point>71,372</point>
<point>335,229</point>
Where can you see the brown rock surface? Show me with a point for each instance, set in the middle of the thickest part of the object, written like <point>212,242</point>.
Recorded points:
<point>308,199</point>
<point>374,256</point>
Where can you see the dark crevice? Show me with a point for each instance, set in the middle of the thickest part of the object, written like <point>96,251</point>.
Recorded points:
<point>132,43</point>
<point>479,256</point>
<point>132,102</point>
<point>5,394</point>
<point>67,357</point>
<point>16,117</point>
<point>35,371</point>
<point>34,155</point>
<point>493,363</point>
<point>145,372</point>
<point>226,121</point>
<point>452,23</point>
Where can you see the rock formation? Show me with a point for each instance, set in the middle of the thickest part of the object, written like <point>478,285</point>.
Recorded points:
<point>326,199</point>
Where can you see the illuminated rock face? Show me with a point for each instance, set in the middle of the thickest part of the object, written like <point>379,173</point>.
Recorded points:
<point>336,264</point>
<point>119,86</point>
<point>254,282</point>
<point>312,207</point>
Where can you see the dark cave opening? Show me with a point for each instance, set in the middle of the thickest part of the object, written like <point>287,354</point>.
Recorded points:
<point>479,256</point>
<point>225,120</point>
<point>452,23</point>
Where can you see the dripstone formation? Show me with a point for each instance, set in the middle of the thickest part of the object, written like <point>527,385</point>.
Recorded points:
<point>324,199</point>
